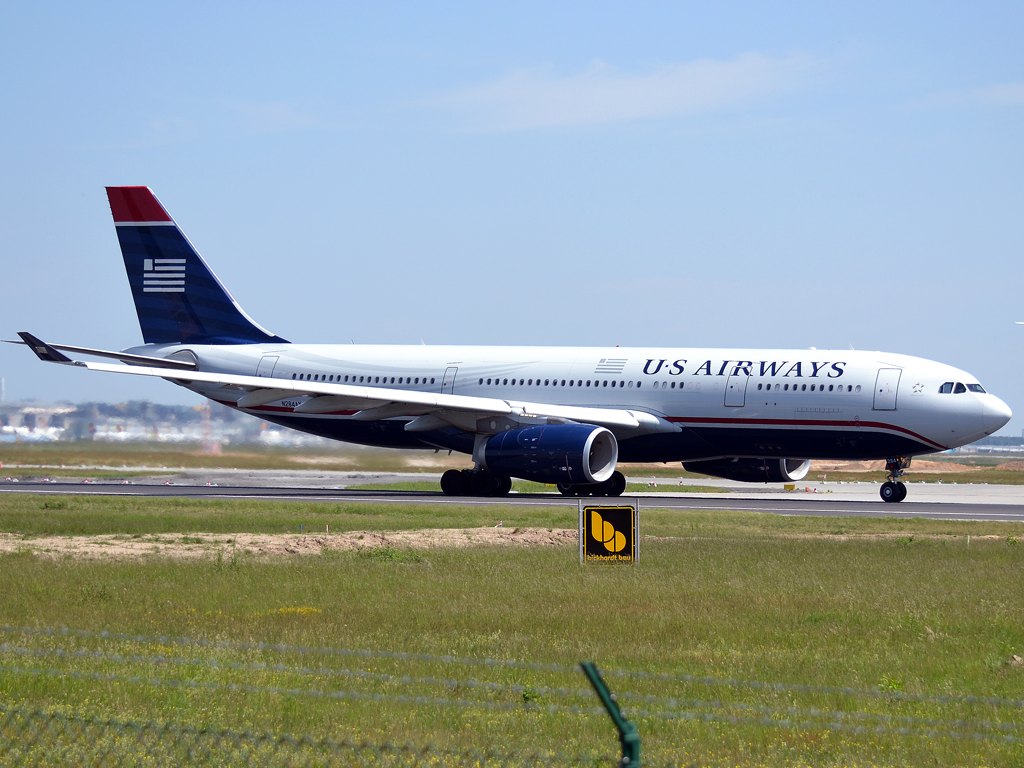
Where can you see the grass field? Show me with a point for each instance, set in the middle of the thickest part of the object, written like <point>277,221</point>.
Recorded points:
<point>890,606</point>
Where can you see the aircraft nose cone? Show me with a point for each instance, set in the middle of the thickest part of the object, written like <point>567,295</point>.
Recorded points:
<point>997,413</point>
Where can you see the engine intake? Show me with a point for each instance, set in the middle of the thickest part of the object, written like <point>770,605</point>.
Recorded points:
<point>554,453</point>
<point>753,470</point>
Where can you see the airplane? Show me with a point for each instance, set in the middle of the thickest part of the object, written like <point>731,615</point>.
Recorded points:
<point>565,416</point>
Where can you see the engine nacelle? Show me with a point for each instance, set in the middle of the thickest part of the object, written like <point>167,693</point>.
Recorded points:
<point>753,470</point>
<point>554,453</point>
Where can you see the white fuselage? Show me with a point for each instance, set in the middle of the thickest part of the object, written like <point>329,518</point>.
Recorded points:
<point>716,402</point>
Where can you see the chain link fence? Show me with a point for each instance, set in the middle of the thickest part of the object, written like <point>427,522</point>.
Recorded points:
<point>39,737</point>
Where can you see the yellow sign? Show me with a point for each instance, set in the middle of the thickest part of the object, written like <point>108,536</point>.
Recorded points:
<point>608,534</point>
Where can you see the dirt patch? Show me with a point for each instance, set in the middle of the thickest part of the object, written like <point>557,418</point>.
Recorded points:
<point>1016,466</point>
<point>208,545</point>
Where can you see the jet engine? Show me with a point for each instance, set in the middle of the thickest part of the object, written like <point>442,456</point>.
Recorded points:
<point>554,453</point>
<point>753,470</point>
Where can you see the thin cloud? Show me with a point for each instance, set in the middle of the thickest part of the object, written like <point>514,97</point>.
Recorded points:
<point>274,117</point>
<point>603,94</point>
<point>997,95</point>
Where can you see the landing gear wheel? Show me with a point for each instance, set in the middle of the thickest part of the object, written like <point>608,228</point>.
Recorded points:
<point>616,484</point>
<point>484,483</point>
<point>567,489</point>
<point>504,485</point>
<point>890,491</point>
<point>452,483</point>
<point>893,490</point>
<point>901,491</point>
<point>613,486</point>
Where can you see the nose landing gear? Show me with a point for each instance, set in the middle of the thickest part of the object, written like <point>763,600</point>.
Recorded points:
<point>893,490</point>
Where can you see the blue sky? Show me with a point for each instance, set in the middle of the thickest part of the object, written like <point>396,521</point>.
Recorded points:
<point>744,174</point>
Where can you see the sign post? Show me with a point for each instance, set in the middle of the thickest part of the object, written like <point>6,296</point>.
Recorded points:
<point>609,535</point>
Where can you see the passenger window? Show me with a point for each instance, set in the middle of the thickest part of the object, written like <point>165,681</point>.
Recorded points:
<point>563,382</point>
<point>803,388</point>
<point>959,389</point>
<point>976,388</point>
<point>857,388</point>
<point>293,376</point>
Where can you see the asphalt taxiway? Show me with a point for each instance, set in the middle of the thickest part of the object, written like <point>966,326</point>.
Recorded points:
<point>949,502</point>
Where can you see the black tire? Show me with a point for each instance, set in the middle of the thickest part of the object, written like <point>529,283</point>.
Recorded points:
<point>901,491</point>
<point>567,489</point>
<point>484,483</point>
<point>616,484</point>
<point>504,485</point>
<point>451,483</point>
<point>889,492</point>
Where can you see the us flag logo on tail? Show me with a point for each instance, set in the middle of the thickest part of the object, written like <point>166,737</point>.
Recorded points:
<point>164,276</point>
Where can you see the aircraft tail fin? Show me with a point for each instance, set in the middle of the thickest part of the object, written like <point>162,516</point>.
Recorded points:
<point>177,296</point>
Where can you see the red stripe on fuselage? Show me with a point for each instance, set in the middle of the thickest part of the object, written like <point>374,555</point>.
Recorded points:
<point>805,423</point>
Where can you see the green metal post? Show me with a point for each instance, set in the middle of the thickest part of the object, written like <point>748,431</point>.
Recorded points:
<point>629,738</point>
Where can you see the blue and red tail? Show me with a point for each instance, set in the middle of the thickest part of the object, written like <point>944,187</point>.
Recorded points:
<point>177,296</point>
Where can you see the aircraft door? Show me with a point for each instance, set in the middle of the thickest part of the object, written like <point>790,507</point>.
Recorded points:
<point>736,390</point>
<point>885,388</point>
<point>266,367</point>
<point>448,382</point>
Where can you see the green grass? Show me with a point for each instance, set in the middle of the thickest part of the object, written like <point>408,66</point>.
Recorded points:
<point>976,476</point>
<point>162,455</point>
<point>28,473</point>
<point>878,604</point>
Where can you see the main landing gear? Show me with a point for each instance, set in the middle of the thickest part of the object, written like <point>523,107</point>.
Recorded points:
<point>481,482</point>
<point>893,490</point>
<point>471,482</point>
<point>613,486</point>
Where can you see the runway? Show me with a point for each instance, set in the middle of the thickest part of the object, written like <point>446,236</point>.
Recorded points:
<point>795,504</point>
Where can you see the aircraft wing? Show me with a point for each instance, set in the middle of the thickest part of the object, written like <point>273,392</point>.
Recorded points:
<point>367,403</point>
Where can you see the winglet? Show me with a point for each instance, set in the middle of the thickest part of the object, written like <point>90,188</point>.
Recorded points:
<point>44,351</point>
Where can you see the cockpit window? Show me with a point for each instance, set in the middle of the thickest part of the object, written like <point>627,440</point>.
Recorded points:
<point>976,388</point>
<point>946,388</point>
<point>960,389</point>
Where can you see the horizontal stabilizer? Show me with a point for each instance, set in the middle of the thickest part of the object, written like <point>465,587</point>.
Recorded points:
<point>160,362</point>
